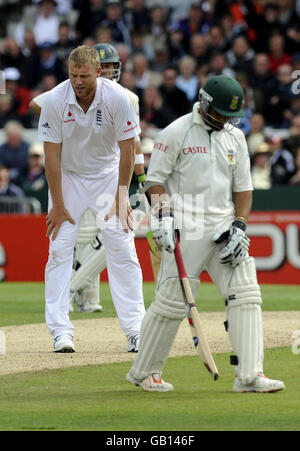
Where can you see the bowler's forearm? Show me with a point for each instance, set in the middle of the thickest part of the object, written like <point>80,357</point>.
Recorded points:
<point>126,163</point>
<point>53,174</point>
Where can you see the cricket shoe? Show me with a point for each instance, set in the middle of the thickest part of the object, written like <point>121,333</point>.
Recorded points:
<point>133,343</point>
<point>261,384</point>
<point>154,382</point>
<point>64,344</point>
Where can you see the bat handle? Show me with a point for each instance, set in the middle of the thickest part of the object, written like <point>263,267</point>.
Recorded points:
<point>179,260</point>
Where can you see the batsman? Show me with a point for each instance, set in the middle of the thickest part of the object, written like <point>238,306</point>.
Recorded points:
<point>199,182</point>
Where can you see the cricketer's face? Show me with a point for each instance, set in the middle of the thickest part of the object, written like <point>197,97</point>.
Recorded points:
<point>214,120</point>
<point>84,79</point>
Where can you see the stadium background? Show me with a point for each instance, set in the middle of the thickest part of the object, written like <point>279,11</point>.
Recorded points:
<point>168,50</point>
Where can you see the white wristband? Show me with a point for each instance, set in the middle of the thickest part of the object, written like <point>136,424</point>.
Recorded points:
<point>139,159</point>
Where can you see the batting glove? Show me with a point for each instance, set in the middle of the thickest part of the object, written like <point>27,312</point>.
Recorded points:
<point>164,233</point>
<point>237,245</point>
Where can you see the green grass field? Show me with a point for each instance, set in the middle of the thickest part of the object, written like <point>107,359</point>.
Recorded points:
<point>97,398</point>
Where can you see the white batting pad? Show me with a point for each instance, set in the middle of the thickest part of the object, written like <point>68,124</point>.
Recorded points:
<point>159,328</point>
<point>244,319</point>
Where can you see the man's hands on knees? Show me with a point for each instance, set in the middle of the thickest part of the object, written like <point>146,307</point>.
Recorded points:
<point>237,243</point>
<point>54,220</point>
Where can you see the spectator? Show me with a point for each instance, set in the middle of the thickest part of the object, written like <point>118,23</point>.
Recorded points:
<point>44,24</point>
<point>173,97</point>
<point>241,55</point>
<point>46,27</point>
<point>161,58</point>
<point>14,151</point>
<point>263,83</point>
<point>215,40</point>
<point>178,9</point>
<point>65,43</point>
<point>138,16</point>
<point>295,179</point>
<point>218,66</point>
<point>91,15</point>
<point>281,98</point>
<point>249,105</point>
<point>256,133</point>
<point>282,162</point>
<point>46,62</point>
<point>196,21</point>
<point>157,34</point>
<point>7,109</point>
<point>287,15</point>
<point>261,168</point>
<point>9,190</point>
<point>265,23</point>
<point>115,21</point>
<point>187,81</point>
<point>104,35</point>
<point>143,76</point>
<point>199,50</point>
<point>277,54</point>
<point>34,182</point>
<point>138,45</point>
<point>20,95</point>
<point>11,56</point>
<point>293,141</point>
<point>152,110</point>
<point>29,47</point>
<point>127,80</point>
<point>175,43</point>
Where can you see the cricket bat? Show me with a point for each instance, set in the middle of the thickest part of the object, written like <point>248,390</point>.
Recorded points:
<point>199,339</point>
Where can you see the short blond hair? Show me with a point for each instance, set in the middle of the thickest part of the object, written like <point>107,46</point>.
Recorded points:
<point>84,55</point>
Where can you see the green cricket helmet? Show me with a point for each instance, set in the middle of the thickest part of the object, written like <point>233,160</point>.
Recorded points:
<point>224,94</point>
<point>108,54</point>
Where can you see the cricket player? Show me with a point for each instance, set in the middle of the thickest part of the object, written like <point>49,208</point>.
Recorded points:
<point>88,127</point>
<point>196,164</point>
<point>89,258</point>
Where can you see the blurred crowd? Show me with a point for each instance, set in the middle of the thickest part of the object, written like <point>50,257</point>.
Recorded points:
<point>168,50</point>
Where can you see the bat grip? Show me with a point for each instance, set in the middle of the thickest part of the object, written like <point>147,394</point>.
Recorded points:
<point>179,260</point>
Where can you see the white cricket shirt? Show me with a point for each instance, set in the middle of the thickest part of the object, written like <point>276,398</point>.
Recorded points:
<point>89,140</point>
<point>187,159</point>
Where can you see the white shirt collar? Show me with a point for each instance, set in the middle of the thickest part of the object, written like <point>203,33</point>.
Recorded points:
<point>71,96</point>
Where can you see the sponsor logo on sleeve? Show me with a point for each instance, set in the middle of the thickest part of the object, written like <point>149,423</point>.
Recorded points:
<point>129,123</point>
<point>161,146</point>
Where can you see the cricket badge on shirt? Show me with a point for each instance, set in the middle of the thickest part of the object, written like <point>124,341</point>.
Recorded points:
<point>230,155</point>
<point>99,117</point>
<point>69,118</point>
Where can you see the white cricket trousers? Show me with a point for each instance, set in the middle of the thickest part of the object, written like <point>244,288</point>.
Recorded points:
<point>124,271</point>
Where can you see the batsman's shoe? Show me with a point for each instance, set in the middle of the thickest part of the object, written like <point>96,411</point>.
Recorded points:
<point>154,382</point>
<point>261,384</point>
<point>133,343</point>
<point>64,344</point>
